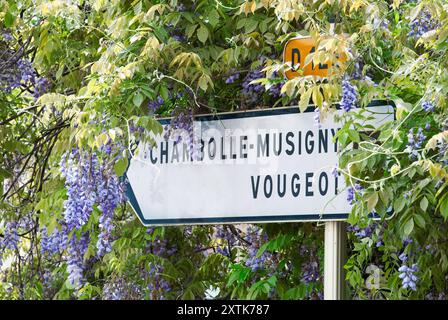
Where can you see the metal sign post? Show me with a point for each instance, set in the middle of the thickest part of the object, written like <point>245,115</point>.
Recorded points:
<point>335,251</point>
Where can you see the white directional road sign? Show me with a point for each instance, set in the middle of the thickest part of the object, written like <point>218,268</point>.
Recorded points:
<point>253,166</point>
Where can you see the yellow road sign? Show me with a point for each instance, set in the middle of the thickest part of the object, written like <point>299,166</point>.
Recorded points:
<point>295,52</point>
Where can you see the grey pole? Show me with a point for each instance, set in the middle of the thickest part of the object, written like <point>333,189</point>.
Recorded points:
<point>335,256</point>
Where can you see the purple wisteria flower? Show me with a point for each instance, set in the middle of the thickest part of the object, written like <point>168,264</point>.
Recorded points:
<point>252,92</point>
<point>75,260</point>
<point>349,95</point>
<point>158,285</point>
<point>109,198</point>
<point>7,36</point>
<point>422,24</point>
<point>41,86</point>
<point>54,243</point>
<point>80,184</point>
<point>153,105</point>
<point>415,142</point>
<point>10,236</point>
<point>256,237</point>
<point>351,191</point>
<point>181,129</point>
<point>408,277</point>
<point>310,272</point>
<point>442,155</point>
<point>428,106</point>
<point>234,75</point>
<point>176,33</point>
<point>362,232</point>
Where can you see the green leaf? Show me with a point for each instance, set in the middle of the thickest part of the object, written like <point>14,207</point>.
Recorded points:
<point>354,135</point>
<point>189,31</point>
<point>213,17</point>
<point>4,173</point>
<point>241,23</point>
<point>188,295</point>
<point>121,166</point>
<point>239,274</point>
<point>102,139</point>
<point>304,100</point>
<point>203,83</point>
<point>444,207</point>
<point>164,92</point>
<point>408,227</point>
<point>243,274</point>
<point>262,249</point>
<point>272,281</point>
<point>202,34</point>
<point>399,204</point>
<point>424,203</point>
<point>9,19</point>
<point>136,233</point>
<point>372,201</point>
<point>318,99</point>
<point>138,99</point>
<point>60,70</point>
<point>343,137</point>
<point>251,25</point>
<point>41,205</point>
<point>420,221</point>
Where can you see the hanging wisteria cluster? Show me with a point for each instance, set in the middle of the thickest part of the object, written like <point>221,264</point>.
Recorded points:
<point>422,24</point>
<point>75,258</point>
<point>351,192</point>
<point>159,246</point>
<point>120,288</point>
<point>226,239</point>
<point>407,271</point>
<point>362,232</point>
<point>349,95</point>
<point>266,261</point>
<point>253,92</point>
<point>176,33</point>
<point>110,195</point>
<point>80,173</point>
<point>154,105</point>
<point>374,230</point>
<point>10,239</point>
<point>442,156</point>
<point>158,286</point>
<point>114,290</point>
<point>10,236</point>
<point>90,180</point>
<point>428,106</point>
<point>55,242</point>
<point>233,76</point>
<point>407,275</point>
<point>415,142</point>
<point>16,71</point>
<point>310,268</point>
